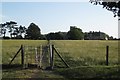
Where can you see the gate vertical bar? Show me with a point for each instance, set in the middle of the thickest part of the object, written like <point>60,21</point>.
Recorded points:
<point>36,56</point>
<point>40,56</point>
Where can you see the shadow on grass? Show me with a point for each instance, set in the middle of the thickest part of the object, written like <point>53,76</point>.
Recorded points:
<point>85,68</point>
<point>89,72</point>
<point>17,66</point>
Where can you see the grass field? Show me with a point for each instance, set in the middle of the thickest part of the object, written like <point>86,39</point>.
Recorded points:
<point>87,56</point>
<point>89,52</point>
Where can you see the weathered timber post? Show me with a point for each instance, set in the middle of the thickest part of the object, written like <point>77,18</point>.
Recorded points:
<point>51,56</point>
<point>22,55</point>
<point>107,55</point>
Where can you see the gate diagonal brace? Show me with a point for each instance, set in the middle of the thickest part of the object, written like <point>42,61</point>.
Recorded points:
<point>15,55</point>
<point>61,58</point>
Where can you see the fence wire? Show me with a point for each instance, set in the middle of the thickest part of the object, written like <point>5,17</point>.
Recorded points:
<point>75,53</point>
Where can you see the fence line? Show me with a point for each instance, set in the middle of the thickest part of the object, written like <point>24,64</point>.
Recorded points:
<point>43,55</point>
<point>107,55</point>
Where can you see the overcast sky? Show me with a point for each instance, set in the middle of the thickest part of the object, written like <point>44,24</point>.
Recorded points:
<point>59,16</point>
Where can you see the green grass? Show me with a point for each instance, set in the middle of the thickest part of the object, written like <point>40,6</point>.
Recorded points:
<point>28,73</point>
<point>90,72</point>
<point>88,52</point>
<point>66,73</point>
<point>10,48</point>
<point>85,57</point>
<point>83,51</point>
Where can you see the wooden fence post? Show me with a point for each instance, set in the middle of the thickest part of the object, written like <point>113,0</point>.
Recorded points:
<point>51,56</point>
<point>107,55</point>
<point>22,55</point>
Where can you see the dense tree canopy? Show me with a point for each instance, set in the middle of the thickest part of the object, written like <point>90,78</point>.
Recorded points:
<point>22,29</point>
<point>33,32</point>
<point>111,5</point>
<point>13,29</point>
<point>95,36</point>
<point>75,33</point>
<point>56,36</point>
<point>10,26</point>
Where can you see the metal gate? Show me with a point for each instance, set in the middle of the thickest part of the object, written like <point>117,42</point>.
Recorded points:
<point>39,56</point>
<point>36,56</point>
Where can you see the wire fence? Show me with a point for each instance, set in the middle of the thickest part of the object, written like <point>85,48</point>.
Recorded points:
<point>74,55</point>
<point>87,54</point>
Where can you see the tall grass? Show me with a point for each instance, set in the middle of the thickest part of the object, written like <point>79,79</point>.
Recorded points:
<point>10,48</point>
<point>82,52</point>
<point>92,52</point>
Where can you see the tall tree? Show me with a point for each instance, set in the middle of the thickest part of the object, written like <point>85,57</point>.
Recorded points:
<point>15,32</point>
<point>21,30</point>
<point>11,27</point>
<point>111,5</point>
<point>75,33</point>
<point>56,36</point>
<point>33,32</point>
<point>2,29</point>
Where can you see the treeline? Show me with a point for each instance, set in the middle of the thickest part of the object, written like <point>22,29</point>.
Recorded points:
<point>34,32</point>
